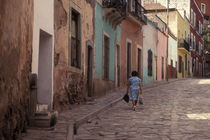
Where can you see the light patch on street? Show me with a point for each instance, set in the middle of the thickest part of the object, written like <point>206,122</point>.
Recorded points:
<point>202,116</point>
<point>202,82</point>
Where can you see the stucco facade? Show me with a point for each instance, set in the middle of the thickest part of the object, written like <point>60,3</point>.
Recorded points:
<point>43,50</point>
<point>103,28</point>
<point>67,76</point>
<point>131,32</point>
<point>161,55</point>
<point>172,50</point>
<point>183,6</point>
<point>16,36</point>
<point>150,38</point>
<point>179,26</point>
<point>197,44</point>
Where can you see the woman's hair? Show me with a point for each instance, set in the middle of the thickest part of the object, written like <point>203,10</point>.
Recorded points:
<point>134,73</point>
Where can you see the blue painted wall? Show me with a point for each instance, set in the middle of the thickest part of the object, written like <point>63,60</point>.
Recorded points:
<point>102,26</point>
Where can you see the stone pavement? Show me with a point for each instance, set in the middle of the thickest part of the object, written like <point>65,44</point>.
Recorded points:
<point>81,115</point>
<point>176,111</point>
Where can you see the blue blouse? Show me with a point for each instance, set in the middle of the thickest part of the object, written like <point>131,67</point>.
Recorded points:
<point>134,82</point>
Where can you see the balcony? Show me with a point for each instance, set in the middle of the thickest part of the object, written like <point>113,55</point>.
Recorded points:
<point>136,11</point>
<point>114,11</point>
<point>184,44</point>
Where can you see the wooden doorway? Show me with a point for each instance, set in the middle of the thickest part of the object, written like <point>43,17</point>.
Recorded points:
<point>89,69</point>
<point>139,62</point>
<point>117,66</point>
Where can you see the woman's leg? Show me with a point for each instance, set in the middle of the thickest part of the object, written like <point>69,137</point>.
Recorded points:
<point>133,102</point>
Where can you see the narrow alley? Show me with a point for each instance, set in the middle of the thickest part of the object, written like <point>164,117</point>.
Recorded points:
<point>176,111</point>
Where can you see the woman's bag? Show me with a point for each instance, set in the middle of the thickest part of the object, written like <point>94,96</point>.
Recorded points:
<point>141,100</point>
<point>126,98</point>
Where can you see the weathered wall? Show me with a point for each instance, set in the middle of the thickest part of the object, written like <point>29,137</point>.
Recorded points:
<point>172,55</point>
<point>161,53</point>
<point>101,27</point>
<point>133,32</point>
<point>16,21</point>
<point>172,50</point>
<point>70,82</point>
<point>149,43</point>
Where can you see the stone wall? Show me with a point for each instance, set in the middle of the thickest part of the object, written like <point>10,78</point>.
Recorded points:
<point>66,76</point>
<point>16,21</point>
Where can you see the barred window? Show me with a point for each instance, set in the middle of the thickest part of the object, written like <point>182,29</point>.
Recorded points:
<point>106,57</point>
<point>180,64</point>
<point>150,63</point>
<point>75,46</point>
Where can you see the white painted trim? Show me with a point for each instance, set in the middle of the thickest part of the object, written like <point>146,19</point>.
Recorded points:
<point>128,41</point>
<point>107,35</point>
<point>204,12</point>
<point>117,44</point>
<point>198,8</point>
<point>141,48</point>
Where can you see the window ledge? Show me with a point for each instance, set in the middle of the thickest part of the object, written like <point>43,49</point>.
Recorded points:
<point>74,69</point>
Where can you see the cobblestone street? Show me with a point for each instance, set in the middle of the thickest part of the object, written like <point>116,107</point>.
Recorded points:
<point>176,111</point>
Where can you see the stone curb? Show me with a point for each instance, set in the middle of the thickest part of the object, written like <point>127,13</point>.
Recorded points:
<point>84,119</point>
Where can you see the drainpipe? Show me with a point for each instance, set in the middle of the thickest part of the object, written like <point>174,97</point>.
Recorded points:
<point>167,41</point>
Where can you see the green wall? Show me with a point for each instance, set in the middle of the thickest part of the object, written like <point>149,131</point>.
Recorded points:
<point>102,26</point>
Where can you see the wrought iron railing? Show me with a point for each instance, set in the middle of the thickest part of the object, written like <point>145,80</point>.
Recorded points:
<point>184,44</point>
<point>135,8</point>
<point>120,5</point>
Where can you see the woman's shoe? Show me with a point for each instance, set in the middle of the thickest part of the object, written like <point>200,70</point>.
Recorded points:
<point>134,108</point>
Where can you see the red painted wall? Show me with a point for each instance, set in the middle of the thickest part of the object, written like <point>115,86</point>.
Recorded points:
<point>132,31</point>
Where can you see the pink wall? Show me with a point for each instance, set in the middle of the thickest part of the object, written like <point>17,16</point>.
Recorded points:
<point>161,51</point>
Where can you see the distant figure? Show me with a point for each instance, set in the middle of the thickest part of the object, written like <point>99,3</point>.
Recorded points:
<point>134,88</point>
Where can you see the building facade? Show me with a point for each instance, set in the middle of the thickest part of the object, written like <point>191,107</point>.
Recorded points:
<point>131,42</point>
<point>179,26</point>
<point>197,42</point>
<point>74,52</point>
<point>15,63</point>
<point>204,7</point>
<point>43,52</point>
<point>107,38</point>
<point>172,55</point>
<point>150,38</point>
<point>161,55</point>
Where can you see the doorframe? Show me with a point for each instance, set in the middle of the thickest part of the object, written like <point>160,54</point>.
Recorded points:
<point>128,41</point>
<point>117,44</point>
<point>89,44</point>
<point>141,63</point>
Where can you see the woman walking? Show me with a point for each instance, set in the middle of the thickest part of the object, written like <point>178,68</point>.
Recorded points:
<point>134,88</point>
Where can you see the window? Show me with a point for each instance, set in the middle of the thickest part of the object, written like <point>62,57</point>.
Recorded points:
<point>185,35</point>
<point>106,57</point>
<point>194,44</point>
<point>192,40</point>
<point>201,28</point>
<point>139,62</point>
<point>180,64</point>
<point>203,8</point>
<point>162,68</point>
<point>194,20</point>
<point>150,63</point>
<point>171,62</point>
<point>75,48</point>
<point>199,25</point>
<point>128,59</point>
<point>192,16</point>
<point>199,47</point>
<point>185,62</point>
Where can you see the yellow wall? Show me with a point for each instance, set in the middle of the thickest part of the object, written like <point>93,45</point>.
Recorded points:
<point>182,52</point>
<point>183,25</point>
